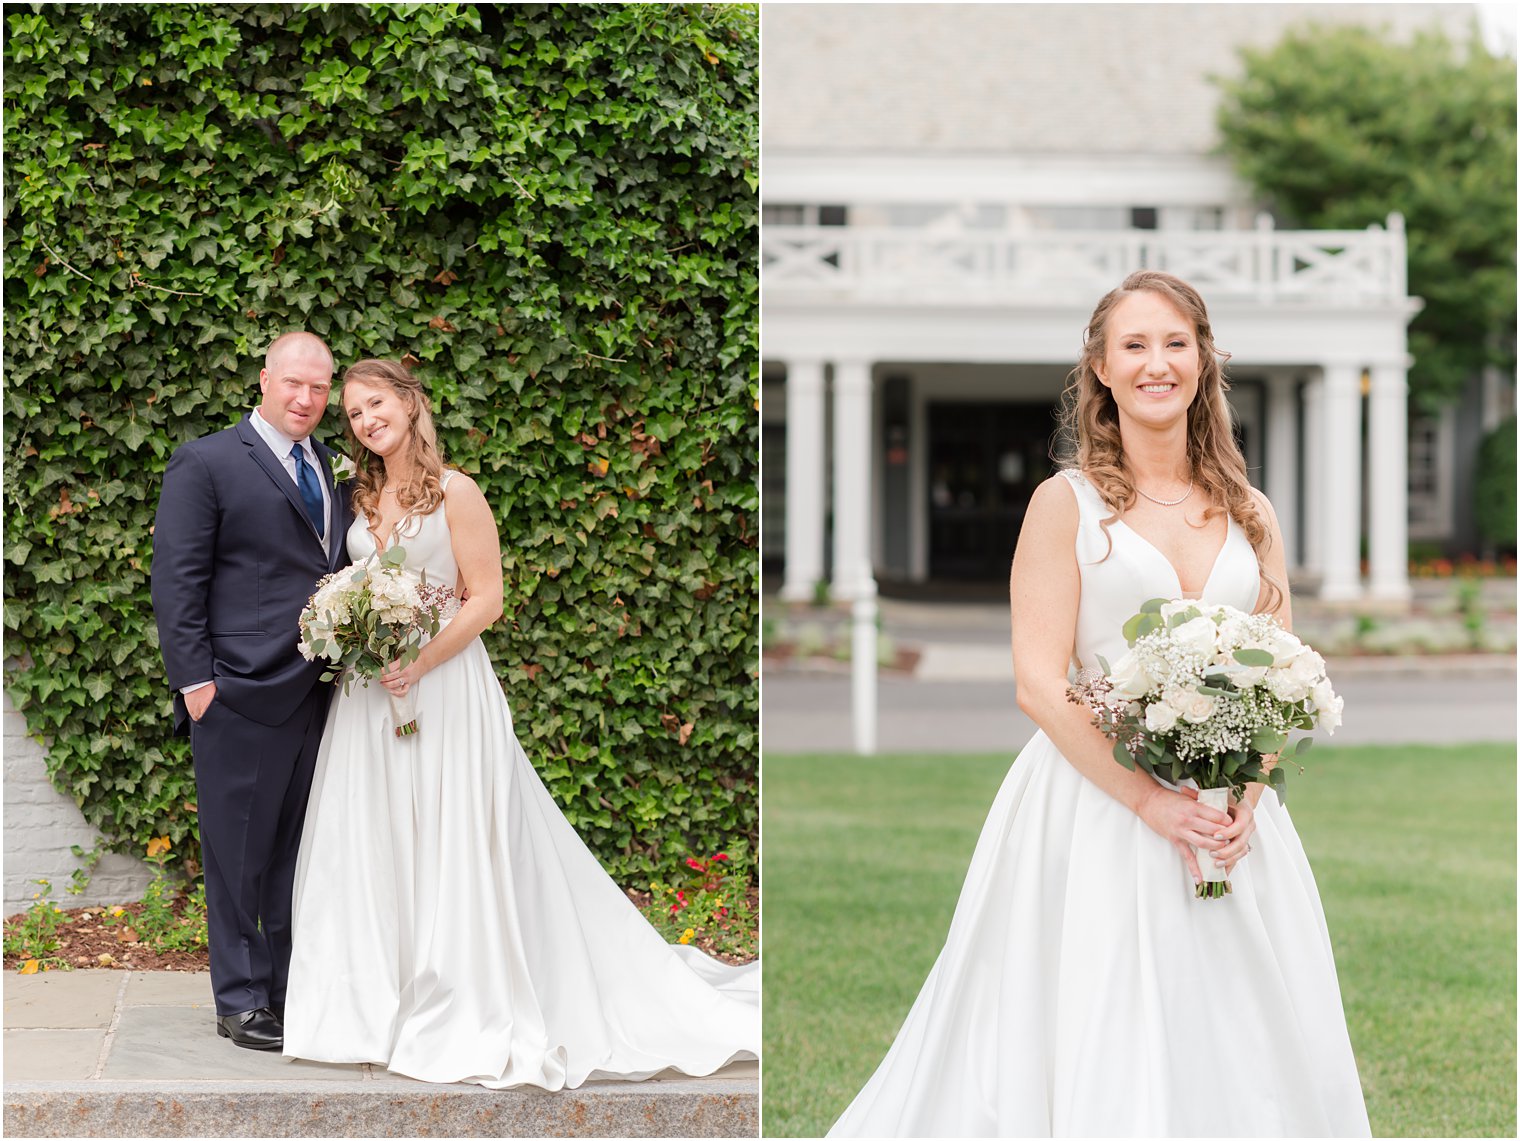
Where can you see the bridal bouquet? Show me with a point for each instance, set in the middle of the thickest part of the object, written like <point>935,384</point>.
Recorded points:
<point>1208,694</point>
<point>368,615</point>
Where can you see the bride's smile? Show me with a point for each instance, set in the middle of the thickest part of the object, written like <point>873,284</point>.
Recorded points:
<point>378,417</point>
<point>1150,364</point>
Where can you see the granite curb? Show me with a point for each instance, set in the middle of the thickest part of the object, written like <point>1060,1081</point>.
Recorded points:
<point>688,1107</point>
<point>95,1053</point>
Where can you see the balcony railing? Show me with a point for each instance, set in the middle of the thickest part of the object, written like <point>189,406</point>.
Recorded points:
<point>883,265</point>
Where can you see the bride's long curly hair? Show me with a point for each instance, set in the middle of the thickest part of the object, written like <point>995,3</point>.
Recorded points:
<point>1089,428</point>
<point>424,491</point>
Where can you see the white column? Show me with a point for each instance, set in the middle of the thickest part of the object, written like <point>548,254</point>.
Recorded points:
<point>852,479</point>
<point>1282,462</point>
<point>1388,482</point>
<point>853,572</point>
<point>805,483</point>
<point>1342,484</point>
<point>1312,556</point>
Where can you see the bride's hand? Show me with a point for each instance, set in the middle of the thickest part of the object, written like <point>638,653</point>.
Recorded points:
<point>1237,837</point>
<point>1179,818</point>
<point>399,679</point>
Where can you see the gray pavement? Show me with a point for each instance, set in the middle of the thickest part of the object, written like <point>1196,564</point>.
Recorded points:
<point>1388,701</point>
<point>131,1054</point>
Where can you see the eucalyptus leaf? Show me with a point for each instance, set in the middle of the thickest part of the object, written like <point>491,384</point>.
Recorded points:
<point>1249,657</point>
<point>1123,756</point>
<point>1267,740</point>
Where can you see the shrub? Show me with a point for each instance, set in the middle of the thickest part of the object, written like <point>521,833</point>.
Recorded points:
<point>1495,486</point>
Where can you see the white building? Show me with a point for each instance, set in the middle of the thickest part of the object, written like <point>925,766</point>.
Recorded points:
<point>949,189</point>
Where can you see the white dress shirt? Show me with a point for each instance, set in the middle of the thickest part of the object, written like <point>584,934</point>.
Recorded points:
<point>280,444</point>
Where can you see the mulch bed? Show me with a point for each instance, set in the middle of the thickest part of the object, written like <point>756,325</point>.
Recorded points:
<point>89,942</point>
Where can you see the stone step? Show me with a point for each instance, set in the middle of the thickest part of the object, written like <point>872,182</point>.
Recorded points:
<point>118,1053</point>
<point>684,1107</point>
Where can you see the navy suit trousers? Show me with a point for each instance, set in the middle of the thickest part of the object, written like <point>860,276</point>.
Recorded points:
<point>253,781</point>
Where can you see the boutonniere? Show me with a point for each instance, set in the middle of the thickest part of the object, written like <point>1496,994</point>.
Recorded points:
<point>341,466</point>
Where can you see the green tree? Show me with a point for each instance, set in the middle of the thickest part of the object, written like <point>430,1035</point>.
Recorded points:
<point>1495,495</point>
<point>1338,127</point>
<point>551,209</point>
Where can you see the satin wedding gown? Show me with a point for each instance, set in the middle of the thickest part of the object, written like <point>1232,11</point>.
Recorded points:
<point>1082,989</point>
<point>450,925</point>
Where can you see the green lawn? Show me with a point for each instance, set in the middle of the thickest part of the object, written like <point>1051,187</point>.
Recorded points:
<point>1413,848</point>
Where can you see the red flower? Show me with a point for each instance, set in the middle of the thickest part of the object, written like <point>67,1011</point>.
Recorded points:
<point>693,862</point>
<point>721,856</point>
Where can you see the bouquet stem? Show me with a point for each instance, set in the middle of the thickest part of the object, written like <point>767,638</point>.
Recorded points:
<point>404,712</point>
<point>1215,885</point>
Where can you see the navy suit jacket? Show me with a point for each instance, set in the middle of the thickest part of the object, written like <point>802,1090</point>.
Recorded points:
<point>235,558</point>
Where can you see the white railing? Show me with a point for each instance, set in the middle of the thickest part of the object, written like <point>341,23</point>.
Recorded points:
<point>882,264</point>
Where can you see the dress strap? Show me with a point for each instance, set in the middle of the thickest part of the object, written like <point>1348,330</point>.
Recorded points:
<point>1093,542</point>
<point>1089,502</point>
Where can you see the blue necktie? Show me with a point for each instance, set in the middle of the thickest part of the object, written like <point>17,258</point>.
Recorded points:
<point>311,492</point>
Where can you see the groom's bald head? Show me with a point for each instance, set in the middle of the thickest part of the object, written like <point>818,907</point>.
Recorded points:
<point>297,343</point>
<point>296,380</point>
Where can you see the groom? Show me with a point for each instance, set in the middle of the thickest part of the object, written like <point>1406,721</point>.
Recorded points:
<point>248,520</point>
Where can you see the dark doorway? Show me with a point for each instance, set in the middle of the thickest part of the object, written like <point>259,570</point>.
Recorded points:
<point>985,460</point>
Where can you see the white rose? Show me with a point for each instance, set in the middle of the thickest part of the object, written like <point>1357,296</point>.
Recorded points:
<point>1131,679</point>
<point>1198,636</point>
<point>1160,717</point>
<point>1283,646</point>
<point>1307,669</point>
<point>1328,706</point>
<point>1190,705</point>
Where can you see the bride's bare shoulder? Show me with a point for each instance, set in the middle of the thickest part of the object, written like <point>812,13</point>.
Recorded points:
<point>1052,511</point>
<point>1056,496</point>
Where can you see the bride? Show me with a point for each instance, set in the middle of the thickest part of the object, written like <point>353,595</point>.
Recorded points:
<point>1082,989</point>
<point>448,922</point>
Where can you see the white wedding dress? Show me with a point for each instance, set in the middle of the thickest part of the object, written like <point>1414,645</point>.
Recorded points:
<point>1082,989</point>
<point>450,925</point>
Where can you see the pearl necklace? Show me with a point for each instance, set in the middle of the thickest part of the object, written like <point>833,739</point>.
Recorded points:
<point>1168,502</point>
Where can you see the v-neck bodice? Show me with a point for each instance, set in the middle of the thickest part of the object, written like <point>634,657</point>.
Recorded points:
<point>1121,569</point>
<point>426,539</point>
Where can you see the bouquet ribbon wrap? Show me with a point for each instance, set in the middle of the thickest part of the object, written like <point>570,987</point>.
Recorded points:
<point>1212,873</point>
<point>404,712</point>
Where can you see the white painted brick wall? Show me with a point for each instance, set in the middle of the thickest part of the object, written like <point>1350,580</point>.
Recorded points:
<point>42,825</point>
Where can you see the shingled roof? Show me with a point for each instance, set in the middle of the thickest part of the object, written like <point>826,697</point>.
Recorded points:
<point>1025,78</point>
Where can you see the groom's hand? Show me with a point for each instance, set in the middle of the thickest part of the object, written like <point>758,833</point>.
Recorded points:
<point>198,701</point>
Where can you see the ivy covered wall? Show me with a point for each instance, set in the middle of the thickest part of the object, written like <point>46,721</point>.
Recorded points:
<point>550,208</point>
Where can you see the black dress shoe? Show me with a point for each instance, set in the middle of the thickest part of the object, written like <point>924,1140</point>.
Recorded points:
<point>253,1029</point>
